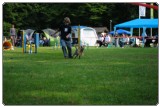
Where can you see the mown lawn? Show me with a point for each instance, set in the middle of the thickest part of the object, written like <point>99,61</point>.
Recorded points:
<point>103,76</point>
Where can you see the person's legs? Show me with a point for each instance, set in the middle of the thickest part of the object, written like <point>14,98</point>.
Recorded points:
<point>63,47</point>
<point>13,41</point>
<point>100,44</point>
<point>121,44</point>
<point>69,47</point>
<point>106,44</point>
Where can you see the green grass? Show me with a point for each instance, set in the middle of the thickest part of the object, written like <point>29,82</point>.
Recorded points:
<point>103,76</point>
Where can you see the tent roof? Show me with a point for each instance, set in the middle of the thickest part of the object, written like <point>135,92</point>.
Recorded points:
<point>76,27</point>
<point>49,31</point>
<point>29,32</point>
<point>121,31</point>
<point>139,23</point>
<point>82,27</point>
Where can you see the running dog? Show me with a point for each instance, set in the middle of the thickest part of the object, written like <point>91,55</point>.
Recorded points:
<point>78,52</point>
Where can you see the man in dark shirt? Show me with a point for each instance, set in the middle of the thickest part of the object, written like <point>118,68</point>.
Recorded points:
<point>65,30</point>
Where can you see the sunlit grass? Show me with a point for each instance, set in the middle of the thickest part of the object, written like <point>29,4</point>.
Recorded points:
<point>103,76</point>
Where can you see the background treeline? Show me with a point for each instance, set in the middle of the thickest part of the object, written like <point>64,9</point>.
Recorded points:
<point>39,16</point>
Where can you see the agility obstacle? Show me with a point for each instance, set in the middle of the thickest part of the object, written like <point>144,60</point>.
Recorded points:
<point>27,45</point>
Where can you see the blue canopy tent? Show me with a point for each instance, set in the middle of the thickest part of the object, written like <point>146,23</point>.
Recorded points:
<point>138,23</point>
<point>121,31</point>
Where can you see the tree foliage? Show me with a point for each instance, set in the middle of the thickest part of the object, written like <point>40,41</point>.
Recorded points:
<point>49,15</point>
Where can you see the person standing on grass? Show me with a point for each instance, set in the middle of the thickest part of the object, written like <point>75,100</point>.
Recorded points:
<point>65,39</point>
<point>13,35</point>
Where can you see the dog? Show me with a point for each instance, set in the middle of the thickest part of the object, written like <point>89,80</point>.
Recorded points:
<point>78,52</point>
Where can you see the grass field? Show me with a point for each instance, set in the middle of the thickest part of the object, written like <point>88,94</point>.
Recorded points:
<point>103,76</point>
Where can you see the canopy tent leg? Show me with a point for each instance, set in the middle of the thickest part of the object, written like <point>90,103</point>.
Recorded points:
<point>114,31</point>
<point>131,30</point>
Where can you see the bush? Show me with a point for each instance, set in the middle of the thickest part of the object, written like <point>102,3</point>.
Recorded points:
<point>6,27</point>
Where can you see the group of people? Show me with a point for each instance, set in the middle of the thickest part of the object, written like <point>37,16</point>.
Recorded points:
<point>104,39</point>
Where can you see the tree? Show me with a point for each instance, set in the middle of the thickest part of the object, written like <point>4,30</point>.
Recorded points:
<point>39,16</point>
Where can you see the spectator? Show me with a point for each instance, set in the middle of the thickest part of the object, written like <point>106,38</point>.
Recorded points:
<point>116,39</point>
<point>127,40</point>
<point>101,41</point>
<point>13,36</point>
<point>107,40</point>
<point>46,41</point>
<point>41,42</point>
<point>122,41</point>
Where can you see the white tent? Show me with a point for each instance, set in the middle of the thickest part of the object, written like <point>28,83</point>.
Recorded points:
<point>88,35</point>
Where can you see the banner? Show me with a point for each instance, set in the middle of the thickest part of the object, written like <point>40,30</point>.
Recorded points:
<point>142,11</point>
